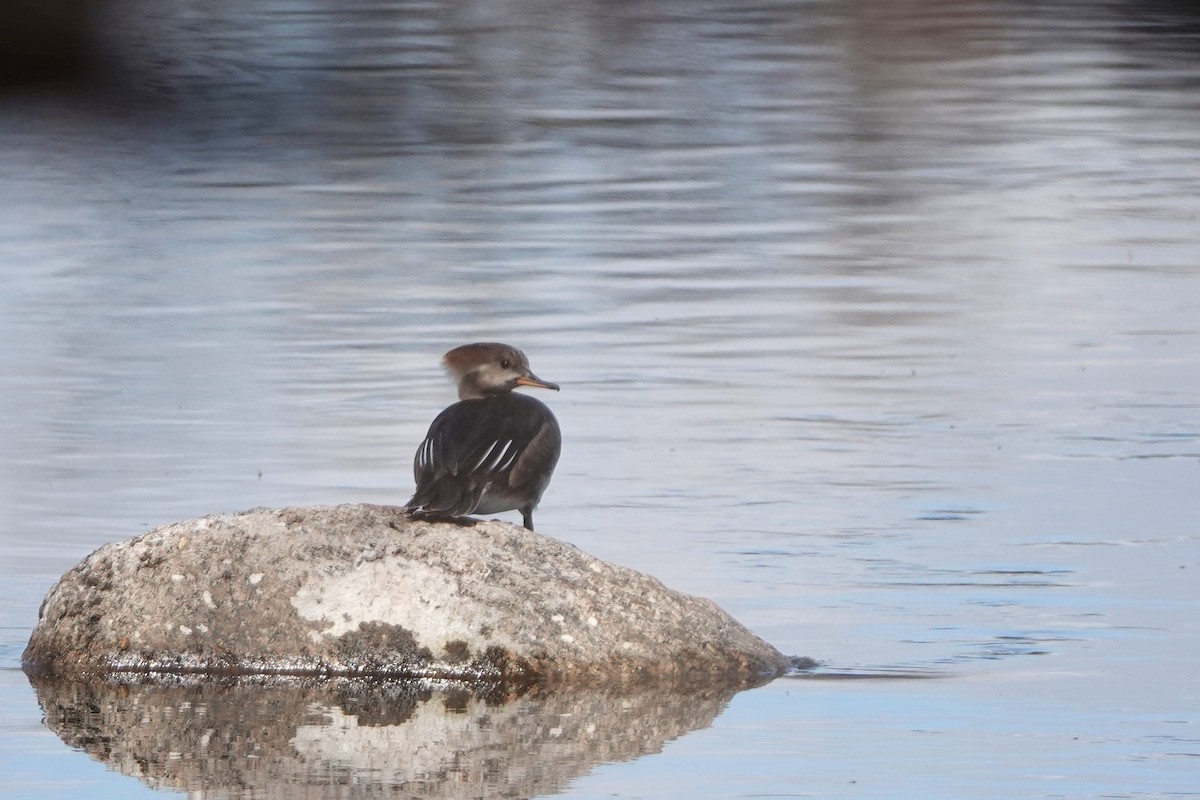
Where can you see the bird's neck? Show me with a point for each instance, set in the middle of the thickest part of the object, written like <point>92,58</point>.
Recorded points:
<point>469,388</point>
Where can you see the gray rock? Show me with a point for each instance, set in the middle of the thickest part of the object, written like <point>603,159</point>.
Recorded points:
<point>364,590</point>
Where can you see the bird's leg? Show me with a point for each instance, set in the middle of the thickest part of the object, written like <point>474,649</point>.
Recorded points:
<point>527,516</point>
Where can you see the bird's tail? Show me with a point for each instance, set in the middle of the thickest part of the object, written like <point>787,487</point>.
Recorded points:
<point>443,498</point>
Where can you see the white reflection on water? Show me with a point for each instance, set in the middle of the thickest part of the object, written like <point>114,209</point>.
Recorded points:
<point>877,325</point>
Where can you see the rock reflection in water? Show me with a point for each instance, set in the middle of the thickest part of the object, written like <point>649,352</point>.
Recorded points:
<point>350,739</point>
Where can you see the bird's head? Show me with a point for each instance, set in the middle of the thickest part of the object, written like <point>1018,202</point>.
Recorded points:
<point>486,368</point>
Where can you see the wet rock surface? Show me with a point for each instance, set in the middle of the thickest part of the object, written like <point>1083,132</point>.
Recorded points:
<point>364,590</point>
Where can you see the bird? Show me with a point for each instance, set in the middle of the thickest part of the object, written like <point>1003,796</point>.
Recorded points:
<point>494,450</point>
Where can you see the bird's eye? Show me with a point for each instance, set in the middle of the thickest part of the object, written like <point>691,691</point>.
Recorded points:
<point>505,363</point>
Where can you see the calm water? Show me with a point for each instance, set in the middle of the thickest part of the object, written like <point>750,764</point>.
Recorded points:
<point>878,323</point>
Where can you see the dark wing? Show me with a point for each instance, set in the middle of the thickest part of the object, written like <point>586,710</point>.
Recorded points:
<point>530,472</point>
<point>482,454</point>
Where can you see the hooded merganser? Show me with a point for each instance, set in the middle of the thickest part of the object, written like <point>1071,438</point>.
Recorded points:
<point>493,450</point>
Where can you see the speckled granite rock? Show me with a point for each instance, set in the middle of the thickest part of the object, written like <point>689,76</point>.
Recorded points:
<point>362,589</point>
